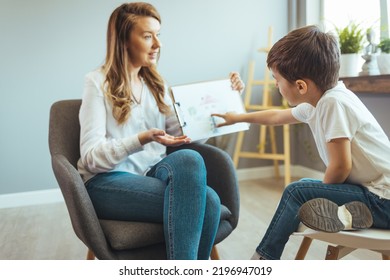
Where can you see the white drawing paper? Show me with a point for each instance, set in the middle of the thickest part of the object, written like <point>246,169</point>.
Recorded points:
<point>194,104</point>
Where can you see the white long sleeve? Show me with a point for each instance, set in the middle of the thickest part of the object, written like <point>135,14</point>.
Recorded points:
<point>106,146</point>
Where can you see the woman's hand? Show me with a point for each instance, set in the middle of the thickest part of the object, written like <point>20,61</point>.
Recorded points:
<point>237,83</point>
<point>160,136</point>
<point>173,141</point>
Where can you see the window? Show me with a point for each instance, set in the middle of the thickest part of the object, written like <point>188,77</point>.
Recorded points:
<point>368,14</point>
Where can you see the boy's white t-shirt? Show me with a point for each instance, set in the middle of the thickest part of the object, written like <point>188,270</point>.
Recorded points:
<point>340,113</point>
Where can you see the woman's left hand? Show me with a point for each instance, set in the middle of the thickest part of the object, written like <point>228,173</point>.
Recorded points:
<point>237,83</point>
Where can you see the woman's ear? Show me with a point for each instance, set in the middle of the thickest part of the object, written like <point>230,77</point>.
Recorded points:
<point>301,86</point>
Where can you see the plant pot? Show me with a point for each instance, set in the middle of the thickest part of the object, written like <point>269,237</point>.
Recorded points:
<point>384,63</point>
<point>350,64</point>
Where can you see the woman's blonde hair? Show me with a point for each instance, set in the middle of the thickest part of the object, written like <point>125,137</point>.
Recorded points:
<point>117,82</point>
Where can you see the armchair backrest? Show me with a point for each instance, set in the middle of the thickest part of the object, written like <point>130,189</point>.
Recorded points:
<point>64,135</point>
<point>64,129</point>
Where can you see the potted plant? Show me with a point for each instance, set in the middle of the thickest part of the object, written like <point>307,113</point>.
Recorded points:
<point>384,57</point>
<point>351,39</point>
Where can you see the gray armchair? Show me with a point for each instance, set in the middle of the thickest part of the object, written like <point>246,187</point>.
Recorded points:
<point>109,239</point>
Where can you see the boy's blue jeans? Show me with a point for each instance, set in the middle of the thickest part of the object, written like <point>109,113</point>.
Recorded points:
<point>174,193</point>
<point>285,220</point>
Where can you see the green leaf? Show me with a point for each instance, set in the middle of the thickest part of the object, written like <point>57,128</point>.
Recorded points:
<point>351,38</point>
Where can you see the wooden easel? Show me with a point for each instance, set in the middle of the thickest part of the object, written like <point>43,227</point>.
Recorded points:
<point>266,104</point>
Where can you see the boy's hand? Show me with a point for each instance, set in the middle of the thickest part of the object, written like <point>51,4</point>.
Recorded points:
<point>228,117</point>
<point>237,83</point>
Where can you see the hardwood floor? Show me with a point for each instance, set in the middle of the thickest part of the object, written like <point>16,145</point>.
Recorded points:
<point>44,232</point>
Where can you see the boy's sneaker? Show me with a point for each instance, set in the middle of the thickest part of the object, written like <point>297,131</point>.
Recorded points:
<point>324,215</point>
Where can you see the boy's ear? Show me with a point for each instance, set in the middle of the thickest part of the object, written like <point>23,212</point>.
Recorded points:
<point>301,86</point>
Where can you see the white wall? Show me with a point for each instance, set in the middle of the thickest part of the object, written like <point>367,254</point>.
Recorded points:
<point>47,46</point>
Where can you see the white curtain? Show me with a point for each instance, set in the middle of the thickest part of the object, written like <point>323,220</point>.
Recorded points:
<point>384,19</point>
<point>304,12</point>
<point>297,14</point>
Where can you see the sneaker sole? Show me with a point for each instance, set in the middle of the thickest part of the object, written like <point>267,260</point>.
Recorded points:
<point>321,214</point>
<point>361,215</point>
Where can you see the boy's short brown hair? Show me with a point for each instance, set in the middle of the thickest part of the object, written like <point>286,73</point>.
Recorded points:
<point>309,53</point>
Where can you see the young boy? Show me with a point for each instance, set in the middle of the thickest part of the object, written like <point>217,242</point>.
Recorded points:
<point>353,146</point>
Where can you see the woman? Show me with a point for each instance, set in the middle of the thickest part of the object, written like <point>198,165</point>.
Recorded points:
<point>127,121</point>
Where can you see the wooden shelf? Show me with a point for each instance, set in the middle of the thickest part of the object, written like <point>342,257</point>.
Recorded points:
<point>378,84</point>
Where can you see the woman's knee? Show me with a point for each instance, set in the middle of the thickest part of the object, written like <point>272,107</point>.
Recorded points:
<point>189,160</point>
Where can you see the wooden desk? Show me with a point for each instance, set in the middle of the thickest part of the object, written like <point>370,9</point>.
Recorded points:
<point>378,84</point>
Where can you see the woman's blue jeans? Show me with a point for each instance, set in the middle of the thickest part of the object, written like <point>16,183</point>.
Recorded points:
<point>286,221</point>
<point>174,193</point>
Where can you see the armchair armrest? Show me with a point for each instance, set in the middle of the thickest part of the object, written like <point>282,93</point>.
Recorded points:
<point>81,211</point>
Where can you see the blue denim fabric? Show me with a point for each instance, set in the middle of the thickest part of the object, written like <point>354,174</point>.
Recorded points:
<point>285,220</point>
<point>174,193</point>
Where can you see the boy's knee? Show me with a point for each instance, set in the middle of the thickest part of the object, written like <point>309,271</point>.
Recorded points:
<point>293,186</point>
<point>296,188</point>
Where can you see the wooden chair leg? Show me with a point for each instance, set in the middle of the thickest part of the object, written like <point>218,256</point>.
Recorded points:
<point>332,253</point>
<point>90,255</point>
<point>214,253</point>
<point>337,252</point>
<point>305,244</point>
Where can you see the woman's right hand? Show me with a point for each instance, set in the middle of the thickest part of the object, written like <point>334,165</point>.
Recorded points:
<point>237,83</point>
<point>160,136</point>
